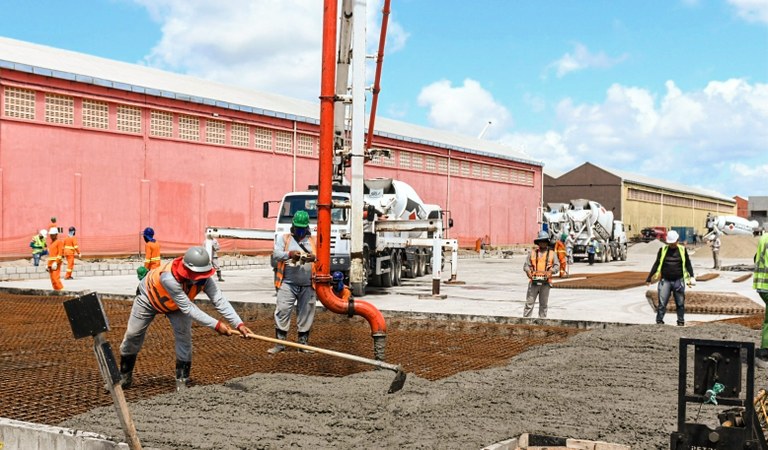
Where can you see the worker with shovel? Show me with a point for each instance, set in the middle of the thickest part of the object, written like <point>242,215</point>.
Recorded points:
<point>539,266</point>
<point>171,289</point>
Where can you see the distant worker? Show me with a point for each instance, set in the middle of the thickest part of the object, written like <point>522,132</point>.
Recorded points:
<point>539,266</point>
<point>215,247</point>
<point>339,288</point>
<point>294,253</point>
<point>714,244</point>
<point>151,249</point>
<point>39,246</point>
<point>55,255</point>
<point>171,290</point>
<point>562,256</point>
<point>673,270</point>
<point>591,251</point>
<point>760,284</point>
<point>53,224</point>
<point>569,243</point>
<point>71,249</point>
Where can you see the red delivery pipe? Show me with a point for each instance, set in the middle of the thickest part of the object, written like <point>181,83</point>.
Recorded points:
<point>324,195</point>
<point>377,78</point>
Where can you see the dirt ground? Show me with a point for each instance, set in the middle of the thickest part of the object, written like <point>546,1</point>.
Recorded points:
<point>617,385</point>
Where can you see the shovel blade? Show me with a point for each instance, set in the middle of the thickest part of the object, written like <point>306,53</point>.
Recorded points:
<point>398,382</point>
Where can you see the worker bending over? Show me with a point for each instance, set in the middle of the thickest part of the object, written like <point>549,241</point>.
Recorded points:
<point>171,289</point>
<point>539,266</point>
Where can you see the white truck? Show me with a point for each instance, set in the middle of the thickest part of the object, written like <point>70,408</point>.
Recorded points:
<point>590,220</point>
<point>731,225</point>
<point>399,230</point>
<point>556,219</point>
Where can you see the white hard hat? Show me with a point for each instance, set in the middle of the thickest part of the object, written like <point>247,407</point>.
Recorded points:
<point>672,237</point>
<point>43,233</point>
<point>53,230</point>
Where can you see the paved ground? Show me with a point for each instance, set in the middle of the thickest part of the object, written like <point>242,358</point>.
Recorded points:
<point>494,286</point>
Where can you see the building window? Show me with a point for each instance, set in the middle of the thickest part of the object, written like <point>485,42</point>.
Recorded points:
<point>189,128</point>
<point>263,138</point>
<point>643,196</point>
<point>161,124</point>
<point>405,159</point>
<point>59,109</point>
<point>442,165</point>
<point>388,159</point>
<point>20,103</point>
<point>95,114</point>
<point>486,171</point>
<point>465,168</point>
<point>283,142</point>
<point>417,163</point>
<point>241,135</point>
<point>129,119</point>
<point>215,132</point>
<point>430,164</point>
<point>496,173</point>
<point>454,167</point>
<point>305,145</point>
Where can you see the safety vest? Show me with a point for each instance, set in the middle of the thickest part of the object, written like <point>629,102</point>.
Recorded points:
<point>280,269</point>
<point>152,256</point>
<point>70,246</point>
<point>664,249</point>
<point>38,244</point>
<point>542,265</point>
<point>158,295</point>
<point>760,277</point>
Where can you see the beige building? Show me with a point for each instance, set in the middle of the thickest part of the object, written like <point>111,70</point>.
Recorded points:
<point>638,200</point>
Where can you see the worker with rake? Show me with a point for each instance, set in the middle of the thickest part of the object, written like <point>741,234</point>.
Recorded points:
<point>171,289</point>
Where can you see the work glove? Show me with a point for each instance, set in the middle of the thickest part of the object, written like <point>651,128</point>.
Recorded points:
<point>309,258</point>
<point>295,255</point>
<point>54,266</point>
<point>245,331</point>
<point>222,328</point>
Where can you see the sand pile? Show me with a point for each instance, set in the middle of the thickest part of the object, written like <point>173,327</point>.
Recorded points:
<point>616,385</point>
<point>731,247</point>
<point>646,248</point>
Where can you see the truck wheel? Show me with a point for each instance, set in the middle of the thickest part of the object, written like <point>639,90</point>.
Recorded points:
<point>419,262</point>
<point>397,267</point>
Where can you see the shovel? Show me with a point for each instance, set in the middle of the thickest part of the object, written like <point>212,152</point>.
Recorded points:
<point>396,385</point>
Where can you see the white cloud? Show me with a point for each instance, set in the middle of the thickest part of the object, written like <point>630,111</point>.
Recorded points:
<point>581,59</point>
<point>271,46</point>
<point>751,10</point>
<point>464,109</point>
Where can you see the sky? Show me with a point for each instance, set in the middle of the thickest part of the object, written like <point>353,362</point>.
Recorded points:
<point>671,89</point>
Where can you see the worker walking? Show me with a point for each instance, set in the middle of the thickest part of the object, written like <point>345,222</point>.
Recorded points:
<point>55,255</point>
<point>294,254</point>
<point>760,284</point>
<point>39,246</point>
<point>212,245</point>
<point>714,244</point>
<point>674,271</point>
<point>71,249</point>
<point>539,266</point>
<point>562,256</point>
<point>171,290</point>
<point>591,250</point>
<point>151,249</point>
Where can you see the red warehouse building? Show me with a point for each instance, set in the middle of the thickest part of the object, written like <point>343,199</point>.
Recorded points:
<point>111,148</point>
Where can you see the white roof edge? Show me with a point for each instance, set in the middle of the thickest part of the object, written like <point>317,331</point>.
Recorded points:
<point>65,64</point>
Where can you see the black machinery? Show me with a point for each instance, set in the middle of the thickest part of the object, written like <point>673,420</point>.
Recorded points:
<point>717,380</point>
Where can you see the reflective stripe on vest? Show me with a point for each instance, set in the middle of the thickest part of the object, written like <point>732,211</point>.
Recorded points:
<point>760,276</point>
<point>664,249</point>
<point>39,244</point>
<point>280,269</point>
<point>158,296</point>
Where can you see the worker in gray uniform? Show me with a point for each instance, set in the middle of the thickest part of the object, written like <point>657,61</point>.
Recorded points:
<point>294,256</point>
<point>171,290</point>
<point>540,265</point>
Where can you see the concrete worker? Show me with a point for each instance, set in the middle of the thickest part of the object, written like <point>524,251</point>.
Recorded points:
<point>71,249</point>
<point>714,244</point>
<point>55,256</point>
<point>539,266</point>
<point>294,254</point>
<point>171,289</point>
<point>39,246</point>
<point>215,247</point>
<point>760,284</point>
<point>53,224</point>
<point>674,271</point>
<point>562,256</point>
<point>151,249</point>
<point>338,286</point>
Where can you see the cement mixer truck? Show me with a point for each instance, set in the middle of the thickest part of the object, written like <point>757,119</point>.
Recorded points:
<point>556,219</point>
<point>398,230</point>
<point>590,220</point>
<point>731,225</point>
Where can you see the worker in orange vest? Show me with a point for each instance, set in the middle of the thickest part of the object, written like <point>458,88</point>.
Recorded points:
<point>151,249</point>
<point>71,250</point>
<point>562,255</point>
<point>55,253</point>
<point>539,266</point>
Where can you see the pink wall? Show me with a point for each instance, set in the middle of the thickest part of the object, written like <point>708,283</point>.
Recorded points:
<point>112,184</point>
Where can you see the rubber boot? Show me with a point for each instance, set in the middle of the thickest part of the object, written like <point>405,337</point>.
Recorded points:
<point>304,340</point>
<point>282,335</point>
<point>218,275</point>
<point>182,374</point>
<point>127,362</point>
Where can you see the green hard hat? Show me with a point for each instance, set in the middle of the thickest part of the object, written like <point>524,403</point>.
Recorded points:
<point>141,272</point>
<point>301,219</point>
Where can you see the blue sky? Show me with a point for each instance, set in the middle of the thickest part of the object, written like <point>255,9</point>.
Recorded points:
<point>672,89</point>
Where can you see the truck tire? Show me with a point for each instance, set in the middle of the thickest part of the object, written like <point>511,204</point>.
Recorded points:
<point>397,267</point>
<point>419,263</point>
